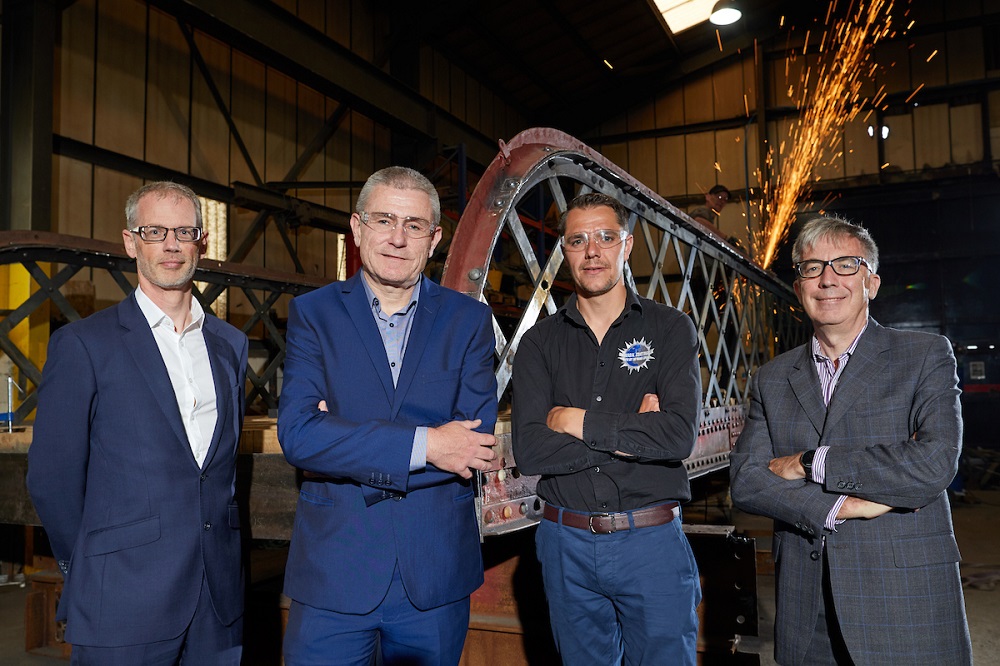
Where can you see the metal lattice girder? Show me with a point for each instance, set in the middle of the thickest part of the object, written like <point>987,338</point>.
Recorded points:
<point>505,252</point>
<point>72,254</point>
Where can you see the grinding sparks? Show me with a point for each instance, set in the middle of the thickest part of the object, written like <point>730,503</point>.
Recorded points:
<point>827,100</point>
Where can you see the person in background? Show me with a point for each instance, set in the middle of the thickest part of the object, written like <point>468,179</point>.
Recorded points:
<point>715,200</point>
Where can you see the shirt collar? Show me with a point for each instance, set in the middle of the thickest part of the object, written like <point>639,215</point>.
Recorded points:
<point>155,316</point>
<point>572,312</point>
<point>817,351</point>
<point>376,306</point>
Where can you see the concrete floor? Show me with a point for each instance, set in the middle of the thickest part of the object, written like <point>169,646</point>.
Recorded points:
<point>976,526</point>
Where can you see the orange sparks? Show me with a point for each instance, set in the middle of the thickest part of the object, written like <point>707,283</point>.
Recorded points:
<point>913,94</point>
<point>826,102</point>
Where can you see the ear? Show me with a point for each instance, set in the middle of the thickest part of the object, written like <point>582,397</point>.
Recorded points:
<point>629,240</point>
<point>203,244</point>
<point>874,281</point>
<point>129,239</point>
<point>356,229</point>
<point>435,239</point>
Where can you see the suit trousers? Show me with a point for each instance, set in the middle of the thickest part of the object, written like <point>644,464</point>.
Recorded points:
<point>628,595</point>
<point>205,641</point>
<point>402,633</point>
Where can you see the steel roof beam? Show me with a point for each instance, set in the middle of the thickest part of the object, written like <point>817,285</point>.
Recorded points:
<point>282,41</point>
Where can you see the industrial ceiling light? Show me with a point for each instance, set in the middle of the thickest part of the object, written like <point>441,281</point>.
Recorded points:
<point>725,12</point>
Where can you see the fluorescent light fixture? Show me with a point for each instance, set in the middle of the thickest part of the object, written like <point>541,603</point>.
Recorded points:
<point>683,14</point>
<point>725,12</point>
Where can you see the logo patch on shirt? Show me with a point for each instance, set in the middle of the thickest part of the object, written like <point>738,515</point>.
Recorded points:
<point>636,355</point>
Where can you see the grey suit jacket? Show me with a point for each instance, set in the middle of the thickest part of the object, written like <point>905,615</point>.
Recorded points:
<point>894,426</point>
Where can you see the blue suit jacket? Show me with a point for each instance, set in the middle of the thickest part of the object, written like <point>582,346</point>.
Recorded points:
<point>121,497</point>
<point>371,513</point>
<point>894,428</point>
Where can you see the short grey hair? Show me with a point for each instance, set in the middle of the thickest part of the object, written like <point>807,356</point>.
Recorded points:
<point>163,189</point>
<point>835,228</point>
<point>595,200</point>
<point>401,178</point>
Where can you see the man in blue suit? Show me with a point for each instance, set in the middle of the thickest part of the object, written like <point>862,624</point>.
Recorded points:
<point>388,406</point>
<point>850,443</point>
<point>132,467</point>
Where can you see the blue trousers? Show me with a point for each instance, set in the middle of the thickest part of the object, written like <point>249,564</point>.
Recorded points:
<point>627,597</point>
<point>205,641</point>
<point>403,633</point>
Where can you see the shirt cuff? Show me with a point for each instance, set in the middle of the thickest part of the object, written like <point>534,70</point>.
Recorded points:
<point>418,454</point>
<point>831,518</point>
<point>819,464</point>
<point>600,430</point>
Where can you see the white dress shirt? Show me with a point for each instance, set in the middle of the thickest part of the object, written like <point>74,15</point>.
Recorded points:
<point>190,371</point>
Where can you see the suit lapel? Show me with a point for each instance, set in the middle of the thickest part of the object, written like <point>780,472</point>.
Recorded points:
<point>420,333</point>
<point>805,386</point>
<point>360,311</point>
<point>218,357</point>
<point>141,345</point>
<point>866,366</point>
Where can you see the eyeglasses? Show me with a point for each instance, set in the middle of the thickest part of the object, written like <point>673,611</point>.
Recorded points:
<point>841,266</point>
<point>385,223</point>
<point>605,239</point>
<point>152,234</point>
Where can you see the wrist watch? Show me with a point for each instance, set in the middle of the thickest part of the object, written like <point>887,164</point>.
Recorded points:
<point>806,460</point>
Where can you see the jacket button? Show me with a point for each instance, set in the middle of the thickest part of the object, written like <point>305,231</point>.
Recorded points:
<point>207,526</point>
<point>814,555</point>
<point>204,477</point>
<point>841,485</point>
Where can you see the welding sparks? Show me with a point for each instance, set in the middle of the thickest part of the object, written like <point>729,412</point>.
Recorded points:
<point>828,99</point>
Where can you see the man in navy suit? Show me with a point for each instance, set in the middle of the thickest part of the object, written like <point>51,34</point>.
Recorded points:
<point>388,406</point>
<point>132,467</point>
<point>850,443</point>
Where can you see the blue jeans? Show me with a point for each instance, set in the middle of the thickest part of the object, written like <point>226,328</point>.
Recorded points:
<point>629,595</point>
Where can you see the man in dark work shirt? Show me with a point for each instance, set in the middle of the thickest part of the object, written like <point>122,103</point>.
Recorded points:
<point>606,398</point>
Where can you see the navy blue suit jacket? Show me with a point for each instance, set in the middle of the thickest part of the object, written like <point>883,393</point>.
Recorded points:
<point>371,513</point>
<point>121,497</point>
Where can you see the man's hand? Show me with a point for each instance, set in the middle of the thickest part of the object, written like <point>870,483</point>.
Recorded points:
<point>306,473</point>
<point>788,467</point>
<point>568,420</point>
<point>855,507</point>
<point>455,447</point>
<point>650,403</point>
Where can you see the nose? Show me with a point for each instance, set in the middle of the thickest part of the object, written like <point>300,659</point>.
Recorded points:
<point>828,277</point>
<point>397,236</point>
<point>593,250</point>
<point>170,243</point>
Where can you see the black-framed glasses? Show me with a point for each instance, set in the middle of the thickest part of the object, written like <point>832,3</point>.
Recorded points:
<point>386,223</point>
<point>811,268</point>
<point>154,234</point>
<point>605,239</point>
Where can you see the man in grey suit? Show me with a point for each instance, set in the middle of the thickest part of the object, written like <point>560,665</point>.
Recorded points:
<point>849,445</point>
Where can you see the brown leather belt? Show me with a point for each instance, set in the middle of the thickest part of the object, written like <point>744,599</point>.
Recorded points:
<point>606,523</point>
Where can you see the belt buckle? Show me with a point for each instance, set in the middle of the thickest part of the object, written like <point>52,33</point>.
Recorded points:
<point>590,522</point>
